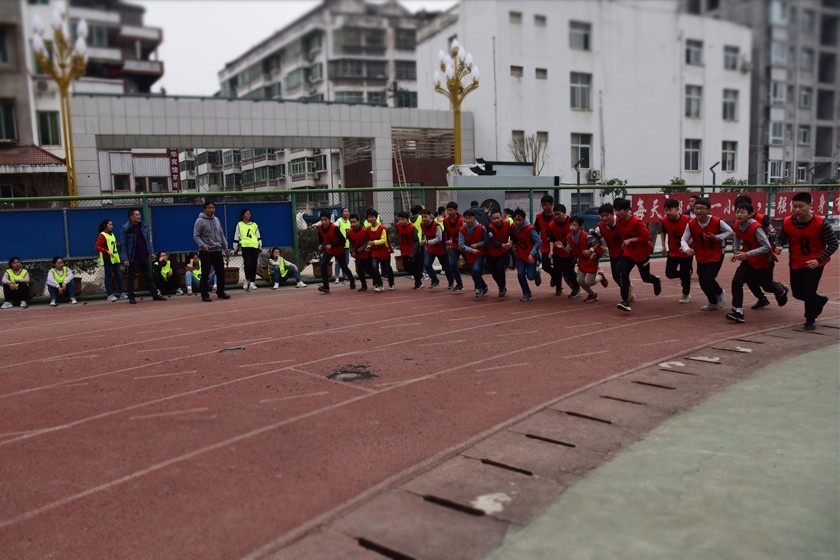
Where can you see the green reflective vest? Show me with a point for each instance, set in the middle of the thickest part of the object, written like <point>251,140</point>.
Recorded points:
<point>344,227</point>
<point>111,241</point>
<point>60,276</point>
<point>164,270</point>
<point>15,278</point>
<point>248,235</point>
<point>418,221</point>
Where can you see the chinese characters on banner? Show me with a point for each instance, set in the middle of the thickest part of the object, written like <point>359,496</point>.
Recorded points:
<point>784,199</point>
<point>648,207</point>
<point>174,169</point>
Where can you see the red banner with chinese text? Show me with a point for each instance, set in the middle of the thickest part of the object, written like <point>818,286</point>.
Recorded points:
<point>174,169</point>
<point>819,203</point>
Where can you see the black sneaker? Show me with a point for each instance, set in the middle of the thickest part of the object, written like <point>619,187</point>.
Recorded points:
<point>132,301</point>
<point>736,316</point>
<point>206,299</point>
<point>363,289</point>
<point>538,279</point>
<point>764,302</point>
<point>158,297</point>
<point>552,283</point>
<point>575,294</point>
<point>624,305</point>
<point>434,285</point>
<point>502,292</point>
<point>352,285</point>
<point>657,285</point>
<point>809,326</point>
<point>323,289</point>
<point>418,287</point>
<point>782,299</point>
<point>526,297</point>
<point>223,296</point>
<point>822,304</point>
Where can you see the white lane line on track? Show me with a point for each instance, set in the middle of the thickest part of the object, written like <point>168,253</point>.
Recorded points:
<point>295,397</point>
<point>506,366</point>
<point>246,341</point>
<point>268,363</point>
<point>165,374</point>
<point>81,334</point>
<point>389,383</point>
<point>269,427</point>
<point>586,354</point>
<point>468,318</point>
<point>400,325</point>
<point>443,342</point>
<point>163,348</point>
<point>660,342</point>
<point>59,358</point>
<point>159,414</point>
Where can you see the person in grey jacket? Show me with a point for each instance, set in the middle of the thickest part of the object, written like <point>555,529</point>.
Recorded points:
<point>210,238</point>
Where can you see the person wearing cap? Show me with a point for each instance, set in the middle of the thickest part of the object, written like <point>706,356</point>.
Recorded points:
<point>811,242</point>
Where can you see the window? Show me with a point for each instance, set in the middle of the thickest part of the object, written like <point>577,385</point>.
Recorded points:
<point>293,80</point>
<point>406,39</point>
<point>801,172</point>
<point>517,136</point>
<point>8,131</point>
<point>727,156</point>
<point>542,136</point>
<point>805,96</point>
<point>693,101</point>
<point>778,53</point>
<point>580,35</point>
<point>580,89</point>
<point>406,70</point>
<point>4,47</point>
<point>349,96</point>
<point>776,133</point>
<point>406,99</point>
<point>376,97</point>
<point>376,70</point>
<point>230,157</point>
<point>140,184</point>
<point>540,21</point>
<point>773,171</point>
<point>122,182</point>
<point>806,59</point>
<point>581,147</point>
<point>778,12</point>
<point>158,184</point>
<point>777,93</point>
<point>808,21</point>
<point>515,17</point>
<point>97,36</point>
<point>803,135</point>
<point>692,154</point>
<point>694,52</point>
<point>730,57</point>
<point>542,73</point>
<point>346,68</point>
<point>516,71</point>
<point>730,105</point>
<point>48,132</point>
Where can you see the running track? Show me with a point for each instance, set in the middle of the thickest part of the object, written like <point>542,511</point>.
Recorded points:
<point>125,433</point>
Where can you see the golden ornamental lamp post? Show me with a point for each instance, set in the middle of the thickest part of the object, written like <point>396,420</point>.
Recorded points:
<point>63,62</point>
<point>457,77</point>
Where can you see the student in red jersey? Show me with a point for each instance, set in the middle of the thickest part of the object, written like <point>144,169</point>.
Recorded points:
<point>541,224</point>
<point>409,248</point>
<point>705,238</point>
<point>434,246</point>
<point>678,264</point>
<point>764,221</point>
<point>358,237</point>
<point>332,245</point>
<point>751,248</point>
<point>451,226</point>
<point>498,246</point>
<point>380,249</point>
<point>527,241</point>
<point>587,250</point>
<point>606,232</point>
<point>636,249</point>
<point>471,242</point>
<point>563,263</point>
<point>811,242</point>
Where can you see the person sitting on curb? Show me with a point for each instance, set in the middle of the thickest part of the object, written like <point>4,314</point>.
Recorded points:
<point>15,284</point>
<point>281,269</point>
<point>60,282</point>
<point>192,278</point>
<point>166,275</point>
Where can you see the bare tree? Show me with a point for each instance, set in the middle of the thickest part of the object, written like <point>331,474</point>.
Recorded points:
<point>530,149</point>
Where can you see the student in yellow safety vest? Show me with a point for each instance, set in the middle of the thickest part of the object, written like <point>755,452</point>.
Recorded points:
<point>167,277</point>
<point>109,257</point>
<point>15,284</point>
<point>247,238</point>
<point>343,223</point>
<point>60,282</point>
<point>281,269</point>
<point>192,277</point>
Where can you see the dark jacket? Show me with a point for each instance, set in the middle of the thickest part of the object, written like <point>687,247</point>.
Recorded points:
<point>128,243</point>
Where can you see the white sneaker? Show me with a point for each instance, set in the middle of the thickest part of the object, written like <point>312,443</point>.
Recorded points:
<point>179,292</point>
<point>123,295</point>
<point>721,300</point>
<point>112,297</point>
<point>73,301</point>
<point>214,288</point>
<point>685,298</point>
<point>300,284</point>
<point>6,305</point>
<point>23,305</point>
<point>245,286</point>
<point>189,291</point>
<point>275,286</point>
<point>378,289</point>
<point>53,303</point>
<point>391,288</point>
<point>252,286</point>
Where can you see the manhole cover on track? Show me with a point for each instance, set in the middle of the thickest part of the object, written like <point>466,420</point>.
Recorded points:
<point>351,372</point>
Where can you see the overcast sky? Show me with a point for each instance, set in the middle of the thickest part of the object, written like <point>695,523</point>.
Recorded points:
<point>200,37</point>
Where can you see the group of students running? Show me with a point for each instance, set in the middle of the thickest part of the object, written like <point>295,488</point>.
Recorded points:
<point>568,253</point>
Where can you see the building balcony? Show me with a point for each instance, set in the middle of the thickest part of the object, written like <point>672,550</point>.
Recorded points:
<point>104,54</point>
<point>146,35</point>
<point>94,16</point>
<point>151,67</point>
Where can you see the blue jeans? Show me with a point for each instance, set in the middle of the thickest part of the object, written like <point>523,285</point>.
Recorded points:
<point>525,271</point>
<point>453,256</point>
<point>477,271</point>
<point>69,293</point>
<point>290,269</point>
<point>429,259</point>
<point>191,281</point>
<point>112,269</point>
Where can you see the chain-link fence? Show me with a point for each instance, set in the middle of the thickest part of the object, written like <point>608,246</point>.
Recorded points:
<point>37,229</point>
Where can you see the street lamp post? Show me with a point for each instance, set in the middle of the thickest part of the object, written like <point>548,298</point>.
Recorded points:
<point>63,62</point>
<point>457,77</point>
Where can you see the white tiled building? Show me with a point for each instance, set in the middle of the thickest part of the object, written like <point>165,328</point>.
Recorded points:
<point>636,89</point>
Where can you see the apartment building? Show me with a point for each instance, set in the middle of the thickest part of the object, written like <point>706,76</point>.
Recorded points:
<point>794,130</point>
<point>637,90</point>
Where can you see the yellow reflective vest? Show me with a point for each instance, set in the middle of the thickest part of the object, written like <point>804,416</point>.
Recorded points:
<point>59,276</point>
<point>248,235</point>
<point>111,241</point>
<point>15,278</point>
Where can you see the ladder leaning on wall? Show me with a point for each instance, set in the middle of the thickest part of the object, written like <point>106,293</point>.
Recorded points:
<point>401,182</point>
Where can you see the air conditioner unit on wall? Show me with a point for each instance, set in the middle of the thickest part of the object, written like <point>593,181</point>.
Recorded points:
<point>594,175</point>
<point>43,86</point>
